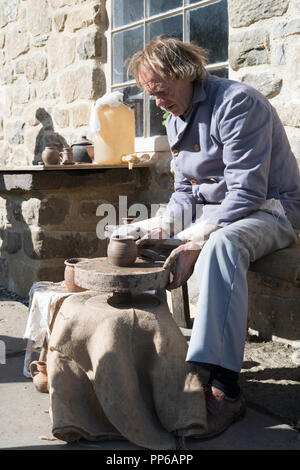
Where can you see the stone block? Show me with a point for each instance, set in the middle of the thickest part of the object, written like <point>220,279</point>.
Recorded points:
<point>51,273</point>
<point>286,28</point>
<point>16,133</point>
<point>249,11</point>
<point>289,112</point>
<point>53,210</point>
<point>79,19</point>
<point>9,11</point>
<point>60,3</point>
<point>29,115</point>
<point>274,307</point>
<point>38,17</point>
<point>50,89</point>
<point>278,54</point>
<point>249,48</point>
<point>21,91</point>
<point>41,244</point>
<point>17,41</point>
<point>90,45</point>
<point>87,209</point>
<point>59,20</point>
<point>4,152</point>
<point>81,114</point>
<point>12,241</point>
<point>267,83</point>
<point>29,211</point>
<point>84,82</point>
<point>104,181</point>
<point>36,67</point>
<point>61,51</point>
<point>3,213</point>
<point>3,272</point>
<point>40,41</point>
<point>61,117</point>
<point>7,75</point>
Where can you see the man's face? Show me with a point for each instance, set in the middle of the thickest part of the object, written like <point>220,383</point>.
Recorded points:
<point>173,95</point>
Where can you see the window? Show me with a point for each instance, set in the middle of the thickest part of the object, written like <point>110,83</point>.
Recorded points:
<point>136,22</point>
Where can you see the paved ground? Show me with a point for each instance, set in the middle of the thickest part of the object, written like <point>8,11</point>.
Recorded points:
<point>270,379</point>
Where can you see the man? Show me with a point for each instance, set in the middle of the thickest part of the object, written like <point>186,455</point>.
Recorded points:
<point>238,182</point>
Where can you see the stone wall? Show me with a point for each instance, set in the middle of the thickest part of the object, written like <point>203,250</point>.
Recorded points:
<point>264,50</point>
<point>51,56</point>
<point>49,216</point>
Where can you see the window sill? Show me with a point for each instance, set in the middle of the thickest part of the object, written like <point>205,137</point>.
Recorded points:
<point>158,143</point>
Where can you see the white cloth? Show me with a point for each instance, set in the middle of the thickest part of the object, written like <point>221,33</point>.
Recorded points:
<point>43,298</point>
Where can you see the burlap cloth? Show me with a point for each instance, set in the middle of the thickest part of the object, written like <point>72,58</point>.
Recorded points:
<point>118,373</point>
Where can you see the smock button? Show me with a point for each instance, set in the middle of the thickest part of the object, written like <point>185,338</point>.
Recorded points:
<point>175,152</point>
<point>197,147</point>
<point>193,181</point>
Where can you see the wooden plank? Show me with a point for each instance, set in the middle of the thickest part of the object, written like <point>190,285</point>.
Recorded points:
<point>180,306</point>
<point>75,166</point>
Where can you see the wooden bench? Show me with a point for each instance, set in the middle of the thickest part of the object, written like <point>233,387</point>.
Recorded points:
<point>278,270</point>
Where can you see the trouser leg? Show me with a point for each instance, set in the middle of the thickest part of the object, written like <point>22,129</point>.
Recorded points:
<point>220,326</point>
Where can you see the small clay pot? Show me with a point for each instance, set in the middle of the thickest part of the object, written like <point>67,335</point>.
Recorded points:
<point>50,156</point>
<point>90,151</point>
<point>122,251</point>
<point>80,151</point>
<point>40,379</point>
<point>66,156</point>
<point>70,272</point>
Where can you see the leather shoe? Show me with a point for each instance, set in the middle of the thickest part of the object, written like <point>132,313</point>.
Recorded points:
<point>222,411</point>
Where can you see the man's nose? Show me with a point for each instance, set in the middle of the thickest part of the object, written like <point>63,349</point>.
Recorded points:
<point>159,102</point>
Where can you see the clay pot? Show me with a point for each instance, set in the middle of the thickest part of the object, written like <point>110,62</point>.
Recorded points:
<point>122,251</point>
<point>69,274</point>
<point>90,151</point>
<point>66,156</point>
<point>80,152</point>
<point>40,379</point>
<point>50,156</point>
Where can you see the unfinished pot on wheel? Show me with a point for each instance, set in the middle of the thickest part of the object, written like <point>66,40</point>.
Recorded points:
<point>122,251</point>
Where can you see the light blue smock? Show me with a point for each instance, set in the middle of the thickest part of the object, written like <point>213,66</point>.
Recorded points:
<point>234,149</point>
<point>231,154</point>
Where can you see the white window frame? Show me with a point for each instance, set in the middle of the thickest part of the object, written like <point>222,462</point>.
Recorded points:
<point>154,143</point>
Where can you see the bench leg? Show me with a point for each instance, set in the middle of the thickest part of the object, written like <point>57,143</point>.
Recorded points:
<point>180,306</point>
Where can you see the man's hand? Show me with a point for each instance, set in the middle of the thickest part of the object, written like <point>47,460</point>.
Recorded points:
<point>181,263</point>
<point>152,239</point>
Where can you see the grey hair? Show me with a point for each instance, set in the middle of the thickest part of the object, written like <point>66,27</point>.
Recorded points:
<point>170,58</point>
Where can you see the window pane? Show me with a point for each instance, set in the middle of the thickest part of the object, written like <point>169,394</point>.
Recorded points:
<point>134,98</point>
<point>171,26</point>
<point>156,118</point>
<point>209,29</point>
<point>127,11</point>
<point>124,44</point>
<point>156,7</point>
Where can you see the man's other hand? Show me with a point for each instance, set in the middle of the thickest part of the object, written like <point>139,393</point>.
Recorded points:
<point>181,263</point>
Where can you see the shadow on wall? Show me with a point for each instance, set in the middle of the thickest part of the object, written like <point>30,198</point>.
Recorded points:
<point>47,137</point>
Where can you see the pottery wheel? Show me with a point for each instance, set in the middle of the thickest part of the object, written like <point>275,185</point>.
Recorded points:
<point>99,275</point>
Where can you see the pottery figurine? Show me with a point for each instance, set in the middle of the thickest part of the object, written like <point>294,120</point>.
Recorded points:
<point>70,273</point>
<point>50,156</point>
<point>122,251</point>
<point>40,379</point>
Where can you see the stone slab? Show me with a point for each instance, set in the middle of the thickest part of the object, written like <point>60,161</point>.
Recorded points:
<point>98,274</point>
